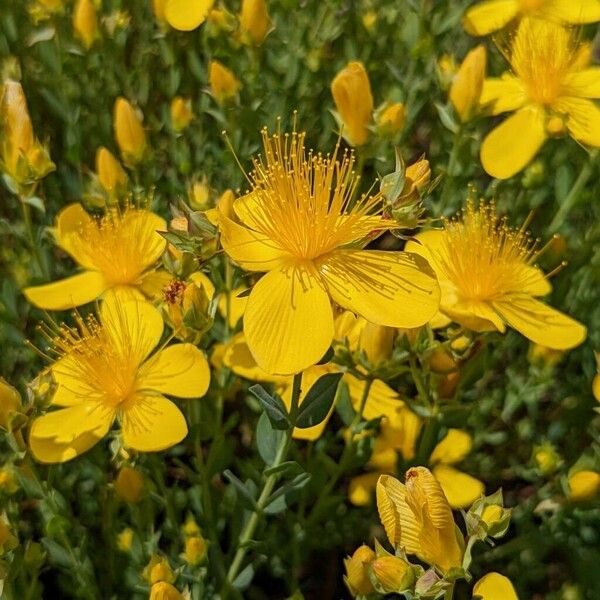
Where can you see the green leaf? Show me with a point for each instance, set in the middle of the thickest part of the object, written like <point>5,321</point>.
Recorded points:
<point>295,484</point>
<point>289,468</point>
<point>244,579</point>
<point>246,498</point>
<point>318,401</point>
<point>273,405</point>
<point>446,118</point>
<point>268,439</point>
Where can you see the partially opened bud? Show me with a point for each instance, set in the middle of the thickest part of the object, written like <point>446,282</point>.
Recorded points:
<point>584,486</point>
<point>224,85</point>
<point>158,569</point>
<point>195,550</point>
<point>10,403</point>
<point>352,95</point>
<point>111,175</point>
<point>181,113</point>
<point>357,574</point>
<point>85,22</point>
<point>377,342</point>
<point>392,573</point>
<point>496,519</point>
<point>129,485</point>
<point>129,132</point>
<point>254,21</point>
<point>467,84</point>
<point>418,174</point>
<point>391,120</point>
<point>546,458</point>
<point>165,591</point>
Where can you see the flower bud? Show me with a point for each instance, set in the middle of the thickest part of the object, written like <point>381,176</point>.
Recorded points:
<point>369,20</point>
<point>442,361</point>
<point>357,575</point>
<point>467,84</point>
<point>377,342</point>
<point>85,22</point>
<point>222,20</point>
<point>418,175</point>
<point>496,519</point>
<point>543,356</point>
<point>8,483</point>
<point>111,175</point>
<point>158,569</point>
<point>352,95</point>
<point>584,486</point>
<point>254,21</point>
<point>125,540</point>
<point>392,573</point>
<point>181,113</point>
<point>391,120</point>
<point>7,540</point>
<point>129,485</point>
<point>199,195</point>
<point>224,85</point>
<point>129,132</point>
<point>10,403</point>
<point>190,528</point>
<point>165,591</point>
<point>195,550</point>
<point>546,458</point>
<point>446,70</point>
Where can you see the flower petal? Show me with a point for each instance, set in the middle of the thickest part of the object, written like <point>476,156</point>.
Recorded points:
<point>453,448</point>
<point>583,84</point>
<point>460,489</point>
<point>502,94</point>
<point>152,423</point>
<point>535,283</point>
<point>237,305</point>
<point>186,15</point>
<point>571,11</point>
<point>396,289</point>
<point>491,15</point>
<point>511,145</point>
<point>362,488</point>
<point>288,321</point>
<point>494,586</point>
<point>135,326</point>
<point>180,370</point>
<point>583,120</point>
<point>382,399</point>
<point>70,223</point>
<point>144,226</point>
<point>239,359</point>
<point>154,283</point>
<point>541,323</point>
<point>477,316</point>
<point>251,250</point>
<point>67,293</point>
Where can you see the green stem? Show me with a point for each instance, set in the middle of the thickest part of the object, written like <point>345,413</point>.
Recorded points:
<point>32,240</point>
<point>450,171</point>
<point>269,485</point>
<point>571,199</point>
<point>449,592</point>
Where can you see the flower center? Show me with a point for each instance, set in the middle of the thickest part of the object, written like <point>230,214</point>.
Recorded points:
<point>306,203</point>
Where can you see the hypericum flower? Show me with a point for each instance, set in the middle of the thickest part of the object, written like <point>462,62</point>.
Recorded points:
<point>186,15</point>
<point>488,278</point>
<point>467,84</point>
<point>224,85</point>
<point>491,15</point>
<point>117,251</point>
<point>129,132</point>
<point>418,519</point>
<point>304,225</point>
<point>551,92</point>
<point>104,372</point>
<point>85,22</point>
<point>254,21</point>
<point>494,586</point>
<point>352,95</point>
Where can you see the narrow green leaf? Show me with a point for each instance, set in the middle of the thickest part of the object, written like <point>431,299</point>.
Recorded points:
<point>273,405</point>
<point>243,493</point>
<point>318,401</point>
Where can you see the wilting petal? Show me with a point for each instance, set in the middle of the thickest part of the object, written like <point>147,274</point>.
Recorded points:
<point>584,83</point>
<point>512,145</point>
<point>186,15</point>
<point>460,489</point>
<point>71,222</point>
<point>152,423</point>
<point>502,94</point>
<point>488,16</point>
<point>67,293</point>
<point>135,325</point>
<point>541,323</point>
<point>571,11</point>
<point>583,120</point>
<point>494,586</point>
<point>251,250</point>
<point>396,289</point>
<point>453,448</point>
<point>288,321</point>
<point>362,488</point>
<point>180,370</point>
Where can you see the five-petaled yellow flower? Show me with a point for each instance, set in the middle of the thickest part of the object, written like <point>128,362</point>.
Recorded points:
<point>104,372</point>
<point>304,224</point>
<point>117,251</point>
<point>491,15</point>
<point>551,91</point>
<point>488,279</point>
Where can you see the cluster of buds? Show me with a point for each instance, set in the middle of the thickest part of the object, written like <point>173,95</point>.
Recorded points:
<point>23,159</point>
<point>195,547</point>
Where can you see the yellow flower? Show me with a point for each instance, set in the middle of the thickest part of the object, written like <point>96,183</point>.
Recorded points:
<point>418,519</point>
<point>117,251</point>
<point>224,85</point>
<point>352,95</point>
<point>125,540</point>
<point>302,225</point>
<point>393,574</point>
<point>181,113</point>
<point>129,485</point>
<point>390,121</point>
<point>490,15</point>
<point>129,132</point>
<point>357,575</point>
<point>158,8</point>
<point>22,156</point>
<point>377,342</point>
<point>158,569</point>
<point>488,279</point>
<point>467,84</point>
<point>551,91</point>
<point>165,591</point>
<point>584,486</point>
<point>104,372</point>
<point>85,22</point>
<point>186,15</point>
<point>494,586</point>
<point>10,403</point>
<point>546,458</point>
<point>195,550</point>
<point>110,173</point>
<point>254,21</point>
